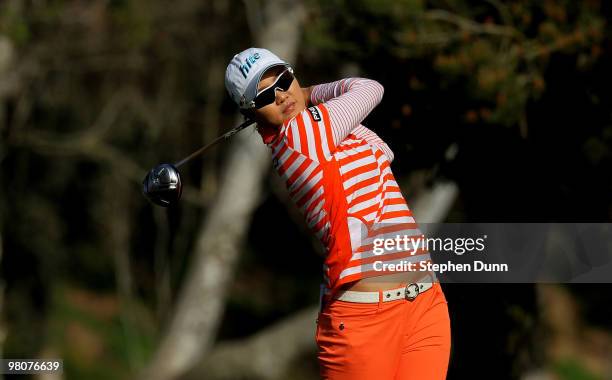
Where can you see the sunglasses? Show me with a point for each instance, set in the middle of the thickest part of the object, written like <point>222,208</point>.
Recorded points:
<point>268,94</point>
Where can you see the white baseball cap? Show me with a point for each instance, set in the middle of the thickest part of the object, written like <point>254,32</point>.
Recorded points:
<point>244,72</point>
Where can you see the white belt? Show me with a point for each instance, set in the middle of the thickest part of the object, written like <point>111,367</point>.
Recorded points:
<point>408,292</point>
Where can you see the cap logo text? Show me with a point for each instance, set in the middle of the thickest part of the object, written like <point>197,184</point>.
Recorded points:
<point>249,61</point>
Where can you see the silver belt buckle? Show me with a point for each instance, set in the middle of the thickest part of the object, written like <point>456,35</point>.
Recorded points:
<point>412,291</point>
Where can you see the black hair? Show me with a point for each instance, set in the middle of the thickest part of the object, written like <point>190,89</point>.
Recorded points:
<point>247,113</point>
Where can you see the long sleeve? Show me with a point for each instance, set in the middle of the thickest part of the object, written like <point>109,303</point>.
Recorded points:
<point>348,101</point>
<point>372,138</point>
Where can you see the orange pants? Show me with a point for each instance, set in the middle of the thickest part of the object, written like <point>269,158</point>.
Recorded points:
<point>387,340</point>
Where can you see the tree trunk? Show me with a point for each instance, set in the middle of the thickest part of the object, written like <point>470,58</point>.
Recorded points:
<point>200,305</point>
<point>434,204</point>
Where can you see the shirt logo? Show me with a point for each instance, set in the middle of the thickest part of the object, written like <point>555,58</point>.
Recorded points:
<point>248,63</point>
<point>315,113</point>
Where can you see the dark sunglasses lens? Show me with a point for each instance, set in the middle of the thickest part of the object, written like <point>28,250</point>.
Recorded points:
<point>265,98</point>
<point>269,95</point>
<point>284,82</point>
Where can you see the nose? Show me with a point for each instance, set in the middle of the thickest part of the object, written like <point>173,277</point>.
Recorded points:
<point>281,96</point>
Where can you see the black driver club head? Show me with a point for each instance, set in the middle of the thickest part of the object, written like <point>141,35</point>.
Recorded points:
<point>162,185</point>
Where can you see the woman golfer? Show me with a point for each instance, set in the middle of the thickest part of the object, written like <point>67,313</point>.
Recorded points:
<point>383,314</point>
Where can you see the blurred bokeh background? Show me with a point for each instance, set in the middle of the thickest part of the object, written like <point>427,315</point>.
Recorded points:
<point>497,111</point>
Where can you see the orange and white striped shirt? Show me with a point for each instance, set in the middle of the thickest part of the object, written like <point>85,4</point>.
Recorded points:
<point>338,174</point>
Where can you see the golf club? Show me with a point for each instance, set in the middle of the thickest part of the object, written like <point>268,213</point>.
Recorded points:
<point>162,185</point>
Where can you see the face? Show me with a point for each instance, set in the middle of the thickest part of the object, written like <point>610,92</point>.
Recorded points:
<point>286,105</point>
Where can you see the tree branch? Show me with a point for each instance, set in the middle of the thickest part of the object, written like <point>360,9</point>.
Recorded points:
<point>47,144</point>
<point>470,25</point>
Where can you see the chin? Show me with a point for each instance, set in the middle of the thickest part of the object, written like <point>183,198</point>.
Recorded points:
<point>293,114</point>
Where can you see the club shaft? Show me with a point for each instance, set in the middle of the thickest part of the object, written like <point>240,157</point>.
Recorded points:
<point>214,142</point>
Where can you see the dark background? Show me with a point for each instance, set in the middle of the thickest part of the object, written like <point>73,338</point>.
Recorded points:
<point>528,111</point>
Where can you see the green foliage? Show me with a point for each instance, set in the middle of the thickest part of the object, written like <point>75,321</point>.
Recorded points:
<point>13,22</point>
<point>498,50</point>
<point>134,19</point>
<point>87,328</point>
<point>571,369</point>
<point>387,7</point>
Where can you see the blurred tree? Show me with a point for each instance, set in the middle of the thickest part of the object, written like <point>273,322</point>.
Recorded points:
<point>496,51</point>
<point>195,323</point>
<point>93,93</point>
<point>99,88</point>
